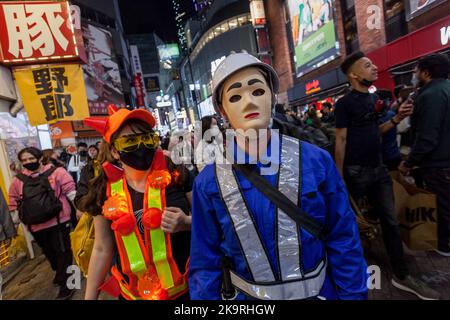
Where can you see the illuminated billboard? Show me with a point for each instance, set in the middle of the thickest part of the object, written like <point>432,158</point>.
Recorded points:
<point>313,33</point>
<point>168,51</point>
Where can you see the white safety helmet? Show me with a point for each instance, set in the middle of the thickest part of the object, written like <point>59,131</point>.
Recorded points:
<point>235,62</point>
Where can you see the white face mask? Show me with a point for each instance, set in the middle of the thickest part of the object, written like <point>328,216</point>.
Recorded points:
<point>247,100</point>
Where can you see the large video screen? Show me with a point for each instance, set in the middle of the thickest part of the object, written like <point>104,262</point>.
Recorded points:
<point>168,51</point>
<point>313,33</point>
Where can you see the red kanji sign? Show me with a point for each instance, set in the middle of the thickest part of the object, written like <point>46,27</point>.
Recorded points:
<point>36,31</point>
<point>139,87</point>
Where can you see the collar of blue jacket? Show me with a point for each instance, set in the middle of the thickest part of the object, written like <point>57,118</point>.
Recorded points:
<point>269,157</point>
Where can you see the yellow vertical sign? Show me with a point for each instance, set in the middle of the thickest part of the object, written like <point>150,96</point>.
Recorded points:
<point>51,93</point>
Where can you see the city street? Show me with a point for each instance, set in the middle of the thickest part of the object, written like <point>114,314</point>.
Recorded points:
<point>212,149</point>
<point>32,283</point>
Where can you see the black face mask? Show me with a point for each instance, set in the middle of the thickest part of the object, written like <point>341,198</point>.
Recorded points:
<point>83,153</point>
<point>139,159</point>
<point>366,83</point>
<point>32,166</point>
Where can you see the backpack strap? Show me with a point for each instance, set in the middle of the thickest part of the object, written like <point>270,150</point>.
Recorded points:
<point>22,177</point>
<point>45,175</point>
<point>48,173</point>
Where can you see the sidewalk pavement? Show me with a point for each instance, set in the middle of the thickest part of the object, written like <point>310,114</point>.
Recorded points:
<point>34,280</point>
<point>428,266</point>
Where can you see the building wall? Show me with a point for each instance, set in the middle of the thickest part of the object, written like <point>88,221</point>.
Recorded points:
<point>148,52</point>
<point>104,6</point>
<point>240,38</point>
<point>369,39</point>
<point>432,15</point>
<point>281,55</point>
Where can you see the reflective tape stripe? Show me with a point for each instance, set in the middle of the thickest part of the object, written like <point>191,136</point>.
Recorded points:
<point>243,225</point>
<point>158,238</point>
<point>294,290</point>
<point>117,188</point>
<point>135,257</point>
<point>176,290</point>
<point>128,293</point>
<point>154,198</point>
<point>288,235</point>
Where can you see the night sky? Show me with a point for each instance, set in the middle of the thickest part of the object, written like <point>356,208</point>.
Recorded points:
<point>144,16</point>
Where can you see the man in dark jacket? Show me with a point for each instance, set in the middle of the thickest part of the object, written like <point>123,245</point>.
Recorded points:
<point>430,151</point>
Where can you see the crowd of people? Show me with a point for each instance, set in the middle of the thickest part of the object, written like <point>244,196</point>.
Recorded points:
<point>172,222</point>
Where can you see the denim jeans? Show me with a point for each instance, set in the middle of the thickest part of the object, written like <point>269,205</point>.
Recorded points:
<point>437,180</point>
<point>375,183</point>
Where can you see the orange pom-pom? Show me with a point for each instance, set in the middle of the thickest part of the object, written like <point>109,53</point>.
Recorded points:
<point>149,286</point>
<point>159,179</point>
<point>125,225</point>
<point>115,207</point>
<point>151,219</point>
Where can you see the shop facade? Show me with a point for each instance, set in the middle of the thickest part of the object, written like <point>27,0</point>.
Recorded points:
<point>327,87</point>
<point>396,60</point>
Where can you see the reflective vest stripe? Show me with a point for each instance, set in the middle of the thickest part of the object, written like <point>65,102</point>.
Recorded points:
<point>288,233</point>
<point>128,294</point>
<point>159,252</point>
<point>159,246</point>
<point>135,257</point>
<point>117,188</point>
<point>154,198</point>
<point>293,290</point>
<point>130,242</point>
<point>176,290</point>
<point>243,225</point>
<point>158,240</point>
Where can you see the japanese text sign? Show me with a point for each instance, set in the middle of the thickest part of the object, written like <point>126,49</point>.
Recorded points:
<point>34,31</point>
<point>53,92</point>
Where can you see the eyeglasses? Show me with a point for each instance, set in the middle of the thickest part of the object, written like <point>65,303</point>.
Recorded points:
<point>132,142</point>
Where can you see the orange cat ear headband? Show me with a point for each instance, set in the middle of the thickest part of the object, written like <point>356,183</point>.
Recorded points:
<point>106,126</point>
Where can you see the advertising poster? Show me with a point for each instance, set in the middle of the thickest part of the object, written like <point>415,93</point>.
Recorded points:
<point>152,83</point>
<point>417,7</point>
<point>168,51</point>
<point>313,32</point>
<point>101,73</point>
<point>52,92</point>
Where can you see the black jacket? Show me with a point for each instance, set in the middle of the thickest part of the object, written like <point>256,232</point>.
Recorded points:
<point>7,229</point>
<point>430,125</point>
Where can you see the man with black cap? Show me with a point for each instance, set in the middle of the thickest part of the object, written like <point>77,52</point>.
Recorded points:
<point>359,160</point>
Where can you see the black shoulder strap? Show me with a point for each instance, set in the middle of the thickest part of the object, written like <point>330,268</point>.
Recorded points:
<point>22,177</point>
<point>281,201</point>
<point>48,173</point>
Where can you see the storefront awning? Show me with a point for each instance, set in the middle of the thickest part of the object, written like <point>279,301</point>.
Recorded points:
<point>341,89</point>
<point>326,85</point>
